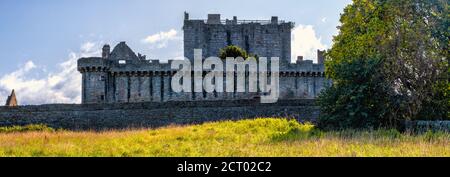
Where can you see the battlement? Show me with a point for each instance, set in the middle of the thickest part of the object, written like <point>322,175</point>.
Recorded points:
<point>215,19</point>
<point>121,76</point>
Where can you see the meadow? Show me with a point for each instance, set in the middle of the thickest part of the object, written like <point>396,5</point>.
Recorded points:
<point>246,138</point>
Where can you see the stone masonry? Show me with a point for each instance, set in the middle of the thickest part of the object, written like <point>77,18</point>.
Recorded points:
<point>152,114</point>
<point>121,76</point>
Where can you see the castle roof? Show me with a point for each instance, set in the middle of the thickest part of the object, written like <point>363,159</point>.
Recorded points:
<point>123,52</point>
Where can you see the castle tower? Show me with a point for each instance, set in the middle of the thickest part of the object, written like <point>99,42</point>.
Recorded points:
<point>94,77</point>
<point>99,84</point>
<point>265,38</point>
<point>12,100</point>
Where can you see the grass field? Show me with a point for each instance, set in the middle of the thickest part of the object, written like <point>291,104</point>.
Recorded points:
<point>259,137</point>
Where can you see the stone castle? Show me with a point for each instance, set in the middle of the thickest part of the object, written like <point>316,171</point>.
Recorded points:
<point>121,76</point>
<point>123,90</point>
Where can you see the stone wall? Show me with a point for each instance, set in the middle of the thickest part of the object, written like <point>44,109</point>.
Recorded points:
<point>268,38</point>
<point>145,81</point>
<point>152,114</point>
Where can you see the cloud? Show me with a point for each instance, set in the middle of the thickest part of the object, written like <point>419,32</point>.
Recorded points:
<point>161,39</point>
<point>61,86</point>
<point>87,47</point>
<point>324,19</point>
<point>305,43</point>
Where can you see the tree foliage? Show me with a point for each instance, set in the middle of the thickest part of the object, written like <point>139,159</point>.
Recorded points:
<point>235,51</point>
<point>388,63</point>
<point>232,51</point>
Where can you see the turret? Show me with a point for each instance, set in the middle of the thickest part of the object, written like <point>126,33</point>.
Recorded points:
<point>320,56</point>
<point>106,50</point>
<point>94,77</point>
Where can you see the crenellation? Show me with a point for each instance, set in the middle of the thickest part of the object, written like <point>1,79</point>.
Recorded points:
<point>121,76</point>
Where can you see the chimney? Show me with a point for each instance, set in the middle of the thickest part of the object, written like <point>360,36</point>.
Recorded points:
<point>186,16</point>
<point>274,20</point>
<point>299,58</point>
<point>106,51</point>
<point>320,56</point>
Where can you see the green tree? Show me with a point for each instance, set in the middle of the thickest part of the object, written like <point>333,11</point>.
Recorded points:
<point>387,63</point>
<point>232,51</point>
<point>235,51</point>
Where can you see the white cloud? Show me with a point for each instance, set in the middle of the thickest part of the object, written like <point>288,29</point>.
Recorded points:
<point>305,43</point>
<point>161,39</point>
<point>62,86</point>
<point>86,47</point>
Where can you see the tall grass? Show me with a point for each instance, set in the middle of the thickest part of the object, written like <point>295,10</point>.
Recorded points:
<point>27,128</point>
<point>258,137</point>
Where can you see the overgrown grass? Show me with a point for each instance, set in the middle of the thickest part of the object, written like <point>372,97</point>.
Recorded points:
<point>258,137</point>
<point>27,128</point>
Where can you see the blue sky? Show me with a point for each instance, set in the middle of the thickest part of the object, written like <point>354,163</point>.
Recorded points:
<point>41,39</point>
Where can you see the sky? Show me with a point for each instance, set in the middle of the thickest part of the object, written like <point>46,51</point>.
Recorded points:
<point>40,40</point>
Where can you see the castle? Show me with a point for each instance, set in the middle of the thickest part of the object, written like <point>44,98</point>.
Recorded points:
<point>121,76</point>
<point>123,90</point>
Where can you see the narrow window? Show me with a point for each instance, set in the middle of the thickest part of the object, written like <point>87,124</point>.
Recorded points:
<point>247,44</point>
<point>161,92</point>
<point>151,86</point>
<point>128,89</point>
<point>229,38</point>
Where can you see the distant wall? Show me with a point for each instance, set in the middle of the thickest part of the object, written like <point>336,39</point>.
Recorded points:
<point>151,114</point>
<point>143,81</point>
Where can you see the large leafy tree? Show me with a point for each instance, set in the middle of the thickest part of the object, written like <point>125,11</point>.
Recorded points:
<point>388,62</point>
